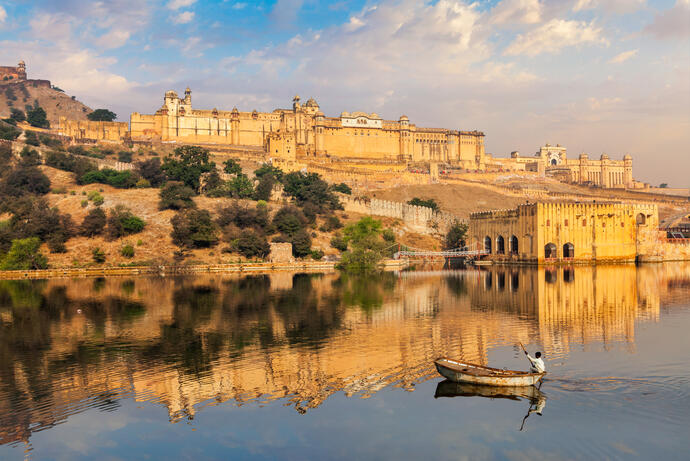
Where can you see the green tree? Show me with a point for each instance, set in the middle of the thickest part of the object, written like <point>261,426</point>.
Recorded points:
<point>31,138</point>
<point>264,188</point>
<point>251,244</point>
<point>17,115</point>
<point>151,171</point>
<point>8,132</point>
<point>301,244</point>
<point>30,157</point>
<point>122,222</point>
<point>176,196</point>
<point>310,188</point>
<point>429,203</point>
<point>231,166</point>
<point>455,238</point>
<point>366,246</point>
<point>289,220</point>
<point>25,180</point>
<point>93,223</point>
<point>187,164</point>
<point>268,169</point>
<point>37,117</point>
<point>124,156</point>
<point>98,255</point>
<point>342,188</point>
<point>194,229</point>
<point>241,187</point>
<point>101,115</point>
<point>24,254</point>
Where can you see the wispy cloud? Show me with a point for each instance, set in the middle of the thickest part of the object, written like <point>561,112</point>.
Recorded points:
<point>622,57</point>
<point>177,4</point>
<point>555,35</point>
<point>3,14</point>
<point>516,12</point>
<point>184,17</point>
<point>672,23</point>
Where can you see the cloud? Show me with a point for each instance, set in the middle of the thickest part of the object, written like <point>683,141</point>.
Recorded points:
<point>516,12</point>
<point>52,27</point>
<point>3,14</point>
<point>622,57</point>
<point>177,4</point>
<point>612,6</point>
<point>239,5</point>
<point>672,23</point>
<point>284,12</point>
<point>554,36</point>
<point>114,38</point>
<point>184,17</point>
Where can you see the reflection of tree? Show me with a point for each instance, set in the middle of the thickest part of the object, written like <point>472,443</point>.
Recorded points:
<point>457,285</point>
<point>365,292</point>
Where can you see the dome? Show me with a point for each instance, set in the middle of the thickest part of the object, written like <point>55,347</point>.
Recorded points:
<point>584,157</point>
<point>171,94</point>
<point>312,103</point>
<point>404,117</point>
<point>604,157</point>
<point>187,90</point>
<point>22,63</point>
<point>627,157</point>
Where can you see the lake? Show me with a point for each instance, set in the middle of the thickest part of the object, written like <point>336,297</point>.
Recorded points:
<point>326,366</point>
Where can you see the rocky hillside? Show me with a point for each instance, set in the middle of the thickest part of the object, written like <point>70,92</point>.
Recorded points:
<point>55,102</point>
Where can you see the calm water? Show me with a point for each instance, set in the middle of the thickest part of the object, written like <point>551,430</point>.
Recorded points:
<point>299,366</point>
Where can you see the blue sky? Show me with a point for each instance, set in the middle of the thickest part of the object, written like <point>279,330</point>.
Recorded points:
<point>594,75</point>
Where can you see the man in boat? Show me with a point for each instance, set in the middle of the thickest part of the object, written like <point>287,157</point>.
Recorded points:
<point>537,363</point>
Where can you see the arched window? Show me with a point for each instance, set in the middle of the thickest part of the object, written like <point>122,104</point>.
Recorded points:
<point>500,245</point>
<point>568,250</point>
<point>641,219</point>
<point>550,251</point>
<point>487,244</point>
<point>514,248</point>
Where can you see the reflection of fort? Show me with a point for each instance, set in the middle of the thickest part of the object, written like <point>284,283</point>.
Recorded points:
<point>186,343</point>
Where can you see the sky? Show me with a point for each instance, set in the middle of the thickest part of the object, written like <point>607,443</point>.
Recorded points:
<point>597,76</point>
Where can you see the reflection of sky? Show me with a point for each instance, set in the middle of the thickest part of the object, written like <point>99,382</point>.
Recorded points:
<point>602,403</point>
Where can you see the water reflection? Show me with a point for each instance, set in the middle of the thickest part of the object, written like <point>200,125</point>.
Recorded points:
<point>186,343</point>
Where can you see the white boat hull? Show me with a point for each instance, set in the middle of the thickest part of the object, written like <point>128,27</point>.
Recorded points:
<point>460,372</point>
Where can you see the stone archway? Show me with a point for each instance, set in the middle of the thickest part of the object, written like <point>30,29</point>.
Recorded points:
<point>550,251</point>
<point>514,248</point>
<point>487,244</point>
<point>568,250</point>
<point>500,245</point>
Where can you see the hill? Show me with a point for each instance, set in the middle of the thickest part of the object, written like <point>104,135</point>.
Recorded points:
<point>55,102</point>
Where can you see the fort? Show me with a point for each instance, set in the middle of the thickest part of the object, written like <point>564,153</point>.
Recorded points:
<point>13,74</point>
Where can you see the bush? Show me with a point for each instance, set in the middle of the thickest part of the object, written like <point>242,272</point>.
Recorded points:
<point>77,150</point>
<point>301,244</point>
<point>50,141</point>
<point>25,180</point>
<point>84,203</point>
<point>455,238</point>
<point>127,251</point>
<point>31,138</point>
<point>251,244</point>
<point>98,255</point>
<point>8,132</point>
<point>213,184</point>
<point>77,165</point>
<point>176,196</point>
<point>194,229</point>
<point>93,223</point>
<point>265,187</point>
<point>122,222</point>
<point>119,179</point>
<point>267,169</point>
<point>17,115</point>
<point>143,184</point>
<point>317,255</point>
<point>151,171</point>
<point>37,117</point>
<point>6,155</point>
<point>429,203</point>
<point>124,156</point>
<point>232,167</point>
<point>101,115</point>
<point>310,188</point>
<point>366,246</point>
<point>32,217</point>
<point>30,157</point>
<point>332,223</point>
<point>289,220</point>
<point>240,187</point>
<point>342,188</point>
<point>339,243</point>
<point>24,254</point>
<point>243,216</point>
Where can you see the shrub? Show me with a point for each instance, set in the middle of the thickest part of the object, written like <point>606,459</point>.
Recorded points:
<point>6,155</point>
<point>213,184</point>
<point>50,141</point>
<point>267,169</point>
<point>301,244</point>
<point>194,229</point>
<point>127,251</point>
<point>30,157</point>
<point>317,255</point>
<point>332,223</point>
<point>37,117</point>
<point>339,243</point>
<point>84,203</point>
<point>231,166</point>
<point>122,222</point>
<point>176,196</point>
<point>124,156</point>
<point>77,165</point>
<point>119,179</point>
<point>251,243</point>
<point>98,255</point>
<point>343,188</point>
<point>143,184</point>
<point>429,203</point>
<point>32,217</point>
<point>8,132</point>
<point>93,223</point>
<point>243,216</point>
<point>289,220</point>
<point>365,246</point>
<point>96,198</point>
<point>23,180</point>
<point>265,187</point>
<point>151,171</point>
<point>240,187</point>
<point>24,254</point>
<point>101,115</point>
<point>77,150</point>
<point>17,115</point>
<point>31,138</point>
<point>455,238</point>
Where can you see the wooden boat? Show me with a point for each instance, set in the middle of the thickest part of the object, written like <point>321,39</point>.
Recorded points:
<point>448,388</point>
<point>461,372</point>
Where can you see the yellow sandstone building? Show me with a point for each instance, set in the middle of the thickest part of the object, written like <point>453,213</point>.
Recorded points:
<point>567,232</point>
<point>304,130</point>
